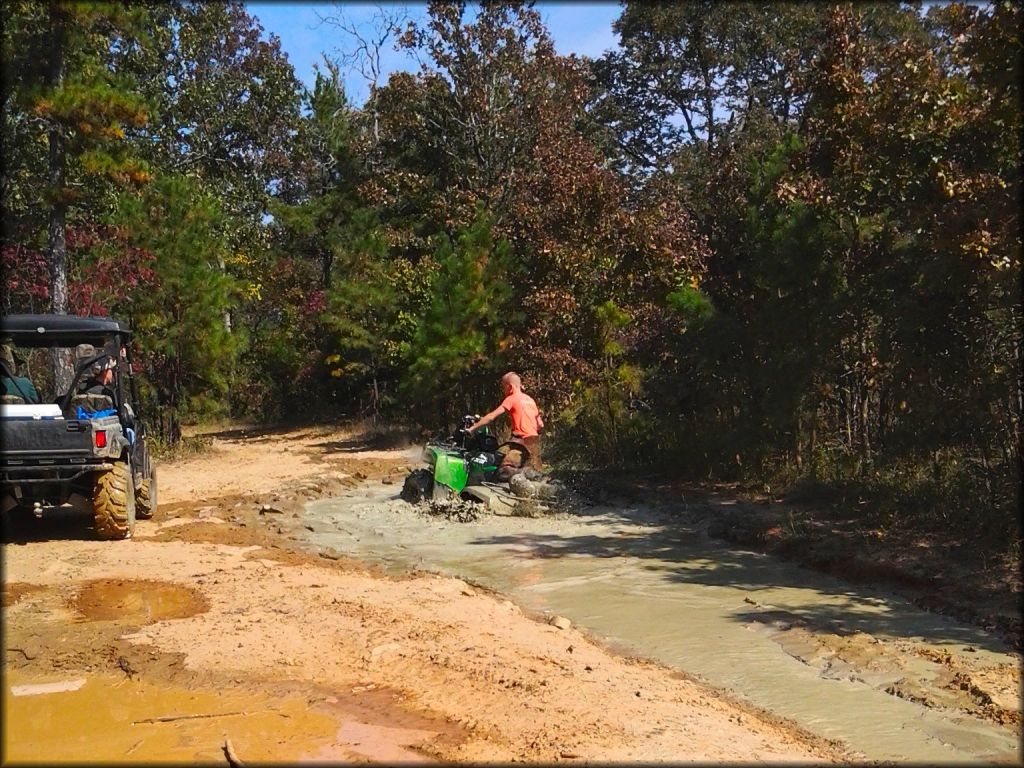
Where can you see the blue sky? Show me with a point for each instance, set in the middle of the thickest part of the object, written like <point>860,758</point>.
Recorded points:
<point>581,28</point>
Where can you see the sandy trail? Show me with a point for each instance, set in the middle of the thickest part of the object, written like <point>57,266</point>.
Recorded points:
<point>210,628</point>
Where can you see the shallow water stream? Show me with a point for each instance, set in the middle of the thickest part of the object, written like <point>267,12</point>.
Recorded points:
<point>845,662</point>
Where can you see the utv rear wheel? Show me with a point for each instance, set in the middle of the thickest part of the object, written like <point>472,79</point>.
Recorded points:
<point>145,497</point>
<point>113,502</point>
<point>418,486</point>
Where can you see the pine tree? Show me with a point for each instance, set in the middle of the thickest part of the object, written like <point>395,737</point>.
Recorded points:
<point>65,84</point>
<point>461,336</point>
<point>188,352</point>
<point>366,330</point>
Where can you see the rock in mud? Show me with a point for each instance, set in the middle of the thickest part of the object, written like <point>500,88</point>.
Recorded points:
<point>560,622</point>
<point>539,488</point>
<point>522,487</point>
<point>385,649</point>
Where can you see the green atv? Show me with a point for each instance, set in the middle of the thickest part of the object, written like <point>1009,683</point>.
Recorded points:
<point>464,465</point>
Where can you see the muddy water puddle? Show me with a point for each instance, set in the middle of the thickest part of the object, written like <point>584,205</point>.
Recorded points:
<point>845,662</point>
<point>104,719</point>
<point>16,591</point>
<point>135,601</point>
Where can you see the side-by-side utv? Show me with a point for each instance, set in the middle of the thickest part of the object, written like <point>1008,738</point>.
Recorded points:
<point>85,446</point>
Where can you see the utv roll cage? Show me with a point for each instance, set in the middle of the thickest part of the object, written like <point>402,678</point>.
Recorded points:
<point>49,331</point>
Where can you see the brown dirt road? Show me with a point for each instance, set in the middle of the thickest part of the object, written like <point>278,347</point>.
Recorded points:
<point>211,637</point>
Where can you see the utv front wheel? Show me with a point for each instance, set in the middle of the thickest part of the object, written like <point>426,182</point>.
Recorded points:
<point>145,496</point>
<point>113,502</point>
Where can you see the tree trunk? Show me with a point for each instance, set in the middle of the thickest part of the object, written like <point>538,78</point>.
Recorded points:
<point>848,392</point>
<point>799,441</point>
<point>376,397</point>
<point>326,264</point>
<point>57,254</point>
<point>814,446</point>
<point>1017,401</point>
<point>865,427</point>
<point>226,313</point>
<point>866,378</point>
<point>174,401</point>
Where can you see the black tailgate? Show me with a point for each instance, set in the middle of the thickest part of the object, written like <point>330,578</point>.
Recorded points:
<point>51,438</point>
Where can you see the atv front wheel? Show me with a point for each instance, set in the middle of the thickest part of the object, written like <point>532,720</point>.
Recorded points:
<point>145,496</point>
<point>113,502</point>
<point>418,486</point>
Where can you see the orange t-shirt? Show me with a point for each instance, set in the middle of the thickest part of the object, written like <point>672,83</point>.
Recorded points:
<point>524,413</point>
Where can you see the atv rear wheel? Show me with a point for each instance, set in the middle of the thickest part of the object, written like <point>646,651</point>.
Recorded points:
<point>418,486</point>
<point>113,502</point>
<point>145,496</point>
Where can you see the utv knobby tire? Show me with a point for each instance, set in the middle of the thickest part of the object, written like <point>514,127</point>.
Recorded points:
<point>418,486</point>
<point>113,502</point>
<point>145,497</point>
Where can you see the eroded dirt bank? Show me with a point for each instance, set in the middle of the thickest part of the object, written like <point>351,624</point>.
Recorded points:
<point>210,636</point>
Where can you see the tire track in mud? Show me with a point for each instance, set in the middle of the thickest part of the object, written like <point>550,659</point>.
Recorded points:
<point>944,682</point>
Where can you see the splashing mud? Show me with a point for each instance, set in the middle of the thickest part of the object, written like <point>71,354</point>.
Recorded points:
<point>454,511</point>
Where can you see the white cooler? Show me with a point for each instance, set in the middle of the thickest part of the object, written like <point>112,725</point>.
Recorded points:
<point>41,411</point>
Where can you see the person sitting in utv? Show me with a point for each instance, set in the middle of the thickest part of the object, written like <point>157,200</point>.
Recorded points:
<point>95,392</point>
<point>17,389</point>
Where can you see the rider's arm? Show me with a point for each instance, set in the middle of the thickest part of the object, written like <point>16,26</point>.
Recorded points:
<point>488,418</point>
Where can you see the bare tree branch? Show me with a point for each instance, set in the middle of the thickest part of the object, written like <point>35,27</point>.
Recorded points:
<point>367,39</point>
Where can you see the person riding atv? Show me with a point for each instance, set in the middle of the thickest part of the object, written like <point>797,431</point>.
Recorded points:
<point>471,465</point>
<point>527,422</point>
<point>474,467</point>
